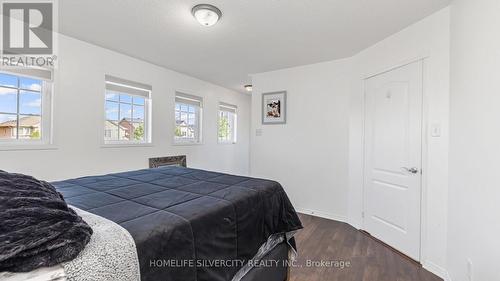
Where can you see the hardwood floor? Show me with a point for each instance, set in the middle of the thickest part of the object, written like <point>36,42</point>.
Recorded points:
<point>370,260</point>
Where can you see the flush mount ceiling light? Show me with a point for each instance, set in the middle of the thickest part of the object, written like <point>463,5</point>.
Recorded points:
<point>206,14</point>
<point>249,88</point>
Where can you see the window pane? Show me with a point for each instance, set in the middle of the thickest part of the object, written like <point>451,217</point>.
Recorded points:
<point>125,130</point>
<point>8,80</point>
<point>178,131</point>
<point>8,126</point>
<point>229,130</point>
<point>8,100</point>
<point>223,127</point>
<point>186,122</point>
<point>30,103</point>
<point>110,131</point>
<point>191,119</point>
<point>191,132</point>
<point>125,98</point>
<point>111,110</point>
<point>184,117</point>
<point>138,113</point>
<point>227,126</point>
<point>138,131</point>
<point>185,132</point>
<point>112,96</point>
<point>20,108</point>
<point>30,127</point>
<point>138,100</point>
<point>30,84</point>
<point>125,111</point>
<point>128,116</point>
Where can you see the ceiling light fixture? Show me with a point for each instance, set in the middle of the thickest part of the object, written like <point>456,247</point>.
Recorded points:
<point>206,14</point>
<point>249,88</point>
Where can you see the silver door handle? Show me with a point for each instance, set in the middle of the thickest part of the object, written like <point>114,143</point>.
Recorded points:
<point>413,170</point>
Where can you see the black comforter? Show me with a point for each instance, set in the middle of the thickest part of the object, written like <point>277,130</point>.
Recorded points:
<point>188,225</point>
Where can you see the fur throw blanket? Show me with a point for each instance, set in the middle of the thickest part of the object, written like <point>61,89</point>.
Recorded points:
<point>37,227</point>
<point>110,255</point>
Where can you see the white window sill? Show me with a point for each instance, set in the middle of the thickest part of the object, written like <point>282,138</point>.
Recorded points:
<point>186,143</point>
<point>21,147</point>
<point>122,145</point>
<point>226,143</point>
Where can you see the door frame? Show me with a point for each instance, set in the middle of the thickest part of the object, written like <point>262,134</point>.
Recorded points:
<point>424,149</point>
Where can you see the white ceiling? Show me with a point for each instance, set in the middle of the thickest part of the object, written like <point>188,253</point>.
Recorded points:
<point>253,35</point>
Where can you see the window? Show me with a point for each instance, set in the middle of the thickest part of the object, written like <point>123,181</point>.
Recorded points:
<point>227,123</point>
<point>187,118</point>
<point>25,106</point>
<point>127,106</point>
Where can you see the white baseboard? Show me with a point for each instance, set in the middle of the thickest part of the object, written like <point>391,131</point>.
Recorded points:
<point>436,269</point>
<point>321,214</point>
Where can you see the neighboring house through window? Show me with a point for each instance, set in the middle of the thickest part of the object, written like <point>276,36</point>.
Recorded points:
<point>188,110</point>
<point>25,106</point>
<point>127,106</point>
<point>227,123</point>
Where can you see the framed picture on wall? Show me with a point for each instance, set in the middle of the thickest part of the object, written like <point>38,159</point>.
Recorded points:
<point>274,108</point>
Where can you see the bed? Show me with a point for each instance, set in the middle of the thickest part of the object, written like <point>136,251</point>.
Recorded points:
<point>190,224</point>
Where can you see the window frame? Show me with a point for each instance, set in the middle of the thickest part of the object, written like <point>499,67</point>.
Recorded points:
<point>191,100</point>
<point>131,89</point>
<point>46,109</point>
<point>233,109</point>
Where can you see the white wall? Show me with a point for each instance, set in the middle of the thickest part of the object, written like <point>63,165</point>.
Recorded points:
<point>474,214</point>
<point>324,174</point>
<point>308,155</point>
<point>78,119</point>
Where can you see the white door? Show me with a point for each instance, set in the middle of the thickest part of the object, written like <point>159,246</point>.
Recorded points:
<point>393,158</point>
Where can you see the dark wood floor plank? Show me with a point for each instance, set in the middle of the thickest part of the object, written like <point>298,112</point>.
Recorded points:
<point>370,260</point>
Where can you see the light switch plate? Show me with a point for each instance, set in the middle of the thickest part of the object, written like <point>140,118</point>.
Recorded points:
<point>258,132</point>
<point>436,130</point>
